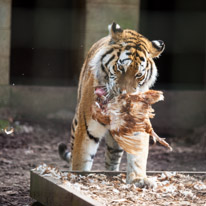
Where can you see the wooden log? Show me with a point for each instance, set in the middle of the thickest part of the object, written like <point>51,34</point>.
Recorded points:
<point>149,173</point>
<point>52,192</point>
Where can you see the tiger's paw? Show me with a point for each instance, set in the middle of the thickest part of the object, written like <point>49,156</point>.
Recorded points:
<point>144,182</point>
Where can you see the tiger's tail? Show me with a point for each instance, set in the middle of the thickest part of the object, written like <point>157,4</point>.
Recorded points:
<point>64,153</point>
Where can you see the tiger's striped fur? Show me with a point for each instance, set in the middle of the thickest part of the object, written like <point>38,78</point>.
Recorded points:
<point>119,62</point>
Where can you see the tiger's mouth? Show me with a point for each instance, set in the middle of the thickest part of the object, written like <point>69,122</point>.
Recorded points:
<point>103,96</point>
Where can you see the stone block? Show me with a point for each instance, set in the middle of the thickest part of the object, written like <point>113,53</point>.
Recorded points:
<point>180,113</point>
<point>5,14</point>
<point>99,14</point>
<point>4,70</point>
<point>35,102</point>
<point>5,43</point>
<point>4,95</point>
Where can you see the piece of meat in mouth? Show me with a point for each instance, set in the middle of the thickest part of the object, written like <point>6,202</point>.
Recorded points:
<point>101,99</point>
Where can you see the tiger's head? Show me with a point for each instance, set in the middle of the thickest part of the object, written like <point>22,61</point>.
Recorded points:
<point>125,63</point>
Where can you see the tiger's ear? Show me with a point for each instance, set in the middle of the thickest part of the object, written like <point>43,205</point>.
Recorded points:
<point>157,47</point>
<point>115,31</point>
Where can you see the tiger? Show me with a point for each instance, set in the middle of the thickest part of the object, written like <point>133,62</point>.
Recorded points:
<point>121,62</point>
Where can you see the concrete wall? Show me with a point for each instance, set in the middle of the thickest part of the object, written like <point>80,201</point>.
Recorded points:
<point>5,32</point>
<point>180,112</point>
<point>38,103</point>
<point>101,13</point>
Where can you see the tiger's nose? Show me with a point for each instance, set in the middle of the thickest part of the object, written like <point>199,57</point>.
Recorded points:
<point>123,91</point>
<point>127,90</point>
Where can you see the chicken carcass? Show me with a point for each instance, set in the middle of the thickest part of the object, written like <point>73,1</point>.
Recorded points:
<point>128,114</point>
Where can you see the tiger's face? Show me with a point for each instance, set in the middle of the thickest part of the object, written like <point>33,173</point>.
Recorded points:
<point>126,63</point>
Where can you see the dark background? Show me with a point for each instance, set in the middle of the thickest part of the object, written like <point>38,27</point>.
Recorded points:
<point>47,42</point>
<point>181,24</point>
<point>47,45</point>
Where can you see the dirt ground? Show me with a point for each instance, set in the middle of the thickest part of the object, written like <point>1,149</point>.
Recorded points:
<point>32,144</point>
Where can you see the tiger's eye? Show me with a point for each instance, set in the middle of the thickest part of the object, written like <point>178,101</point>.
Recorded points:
<point>142,59</point>
<point>138,75</point>
<point>121,68</point>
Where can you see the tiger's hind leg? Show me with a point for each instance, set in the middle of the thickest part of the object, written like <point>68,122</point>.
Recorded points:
<point>64,153</point>
<point>113,153</point>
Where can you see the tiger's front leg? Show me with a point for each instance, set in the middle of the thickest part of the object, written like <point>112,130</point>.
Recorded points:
<point>86,143</point>
<point>136,164</point>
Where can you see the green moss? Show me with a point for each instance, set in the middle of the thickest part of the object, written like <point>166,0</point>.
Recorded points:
<point>4,124</point>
